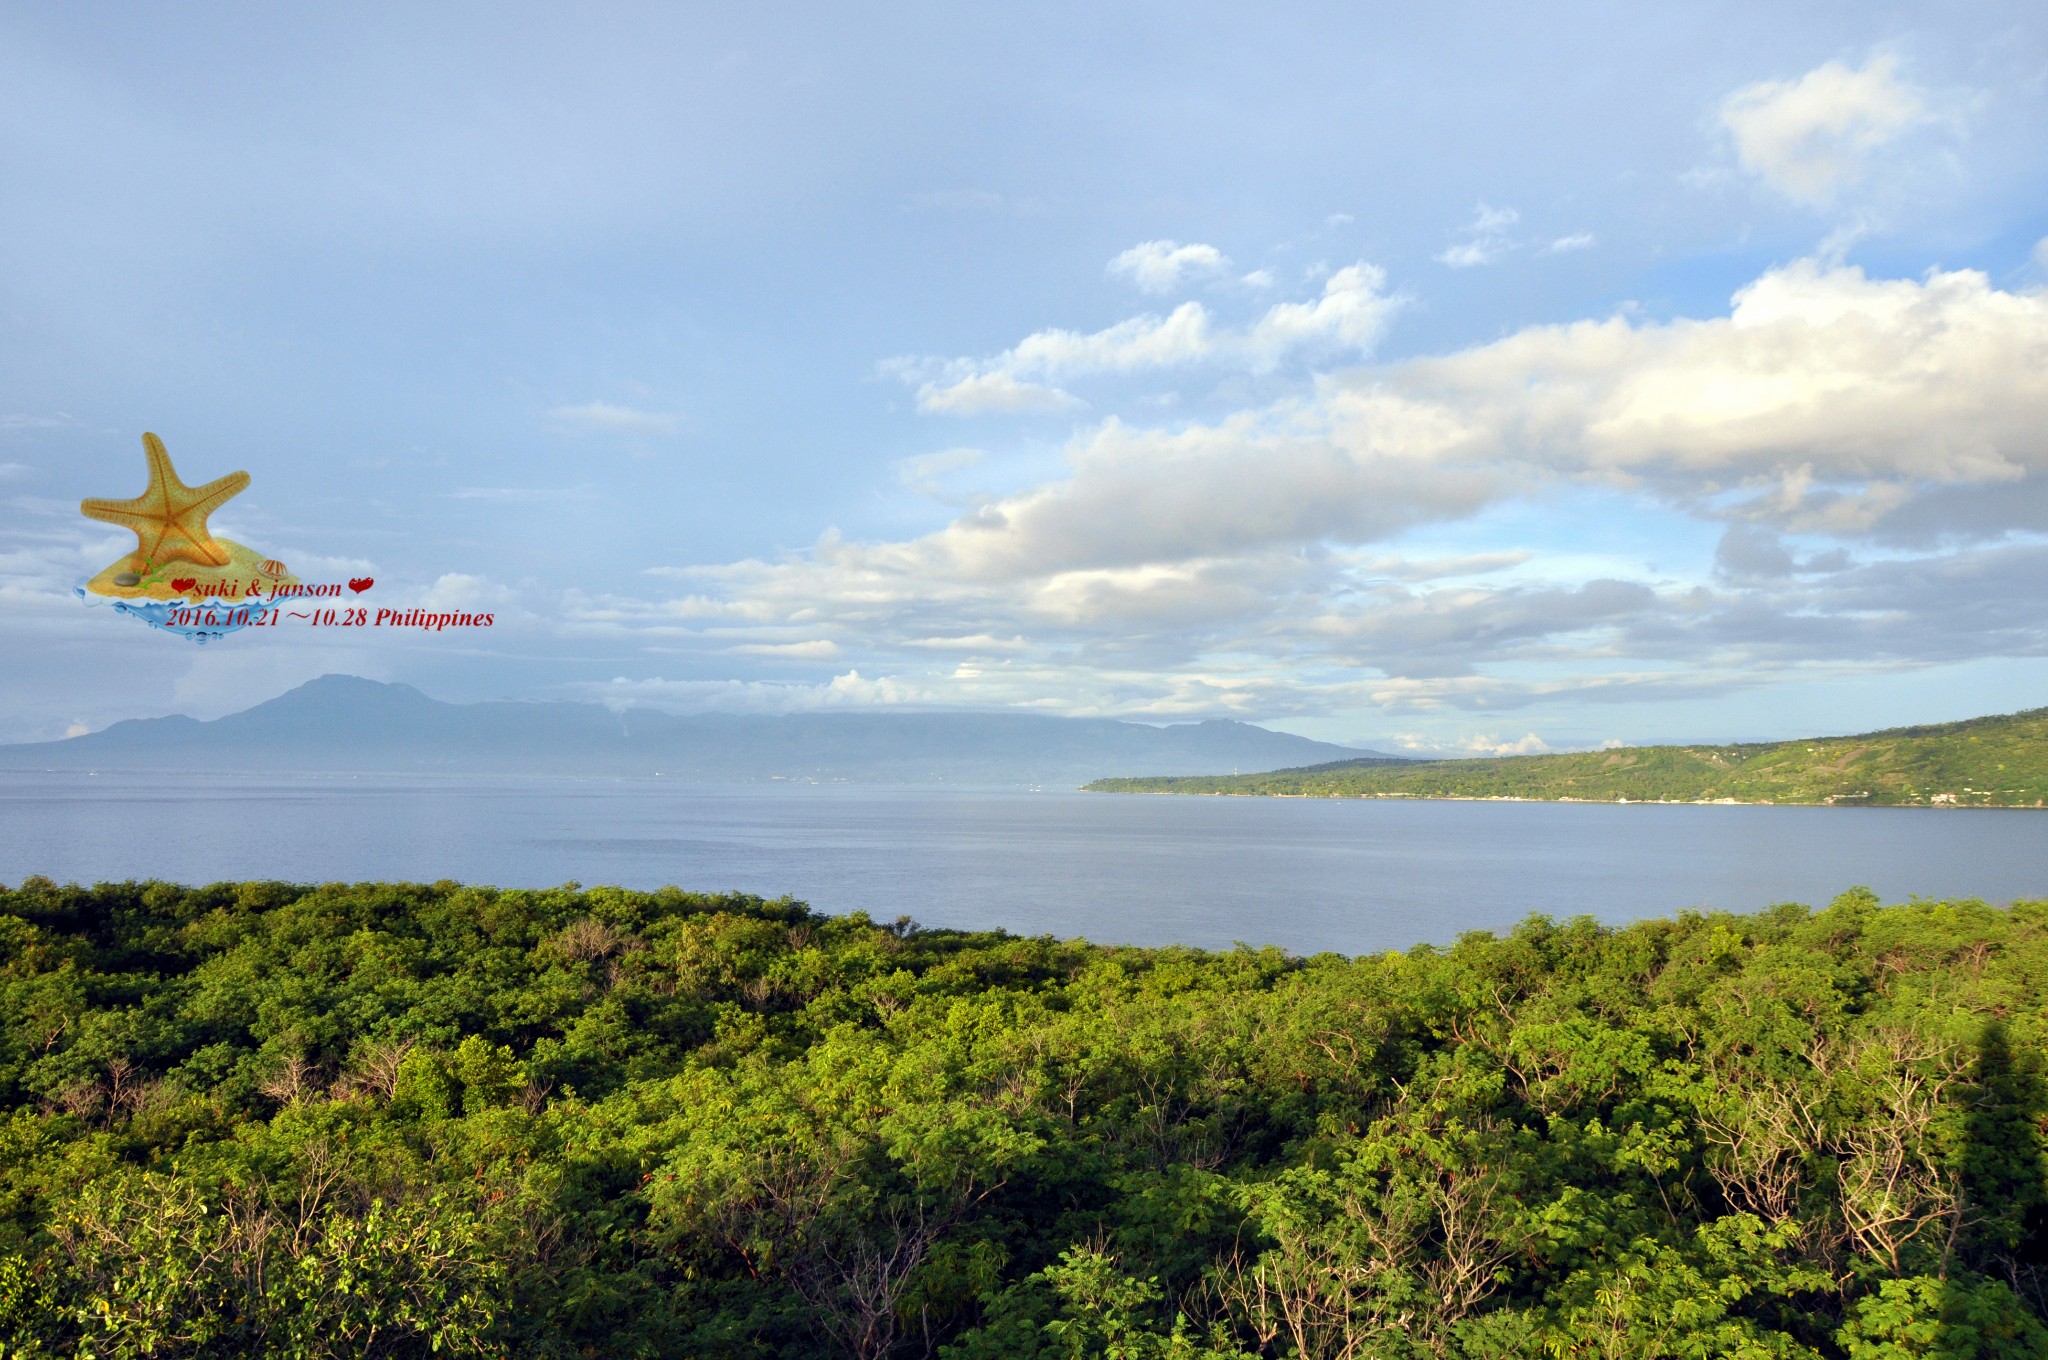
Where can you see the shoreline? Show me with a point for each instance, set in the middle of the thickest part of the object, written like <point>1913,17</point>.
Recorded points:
<point>2036,806</point>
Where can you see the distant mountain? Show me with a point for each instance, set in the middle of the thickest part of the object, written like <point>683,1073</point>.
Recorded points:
<point>1982,762</point>
<point>341,724</point>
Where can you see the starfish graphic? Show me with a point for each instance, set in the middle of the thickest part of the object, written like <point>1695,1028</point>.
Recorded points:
<point>169,519</point>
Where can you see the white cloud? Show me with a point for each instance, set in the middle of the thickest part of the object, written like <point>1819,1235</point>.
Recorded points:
<point>993,393</point>
<point>1824,400</point>
<point>1528,745</point>
<point>1813,137</point>
<point>1583,240</point>
<point>815,649</point>
<point>1180,337</point>
<point>1469,254</point>
<point>1486,239</point>
<point>312,566</point>
<point>978,642</point>
<point>1348,317</point>
<point>1223,566</point>
<point>1162,266</point>
<point>457,590</point>
<point>603,417</point>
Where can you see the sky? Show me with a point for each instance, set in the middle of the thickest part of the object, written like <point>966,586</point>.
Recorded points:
<point>1460,378</point>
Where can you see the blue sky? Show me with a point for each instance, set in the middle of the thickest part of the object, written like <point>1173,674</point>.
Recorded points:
<point>1474,379</point>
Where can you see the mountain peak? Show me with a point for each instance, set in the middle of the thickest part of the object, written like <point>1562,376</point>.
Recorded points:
<point>336,683</point>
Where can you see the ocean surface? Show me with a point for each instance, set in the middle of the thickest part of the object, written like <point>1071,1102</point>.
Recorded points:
<point>1305,874</point>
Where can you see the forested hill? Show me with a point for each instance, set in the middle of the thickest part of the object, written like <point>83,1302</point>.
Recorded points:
<point>404,1120</point>
<point>1984,762</point>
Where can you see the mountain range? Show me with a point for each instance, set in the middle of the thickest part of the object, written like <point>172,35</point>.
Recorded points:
<point>344,724</point>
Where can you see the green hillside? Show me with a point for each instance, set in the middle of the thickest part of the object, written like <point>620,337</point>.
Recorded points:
<point>409,1120</point>
<point>1983,762</point>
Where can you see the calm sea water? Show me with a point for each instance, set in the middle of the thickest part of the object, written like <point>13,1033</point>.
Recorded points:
<point>1307,875</point>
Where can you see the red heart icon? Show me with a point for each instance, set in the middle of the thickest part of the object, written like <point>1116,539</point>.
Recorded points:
<point>183,583</point>
<point>362,583</point>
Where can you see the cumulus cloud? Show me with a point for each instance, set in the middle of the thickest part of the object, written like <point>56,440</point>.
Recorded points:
<point>1528,744</point>
<point>1825,401</point>
<point>1141,342</point>
<point>603,417</point>
<point>1875,452</point>
<point>1162,266</point>
<point>1486,239</point>
<point>1348,317</point>
<point>1564,245</point>
<point>1813,137</point>
<point>993,393</point>
<point>456,590</point>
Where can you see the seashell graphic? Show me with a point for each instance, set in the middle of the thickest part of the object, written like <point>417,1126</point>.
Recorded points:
<point>270,566</point>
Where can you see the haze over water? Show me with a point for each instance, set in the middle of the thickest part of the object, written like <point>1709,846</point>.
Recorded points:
<point>1306,875</point>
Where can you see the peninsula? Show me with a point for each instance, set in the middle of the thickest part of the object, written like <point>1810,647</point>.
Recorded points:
<point>1997,761</point>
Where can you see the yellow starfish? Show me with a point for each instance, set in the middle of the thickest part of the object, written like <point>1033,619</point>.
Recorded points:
<point>169,519</point>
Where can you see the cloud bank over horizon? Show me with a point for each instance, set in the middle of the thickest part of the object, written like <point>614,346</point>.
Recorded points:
<point>1870,451</point>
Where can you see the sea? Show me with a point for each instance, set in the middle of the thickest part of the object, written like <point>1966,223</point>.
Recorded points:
<point>1306,875</point>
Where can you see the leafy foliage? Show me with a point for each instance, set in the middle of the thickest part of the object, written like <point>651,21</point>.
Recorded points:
<point>402,1119</point>
<point>1984,762</point>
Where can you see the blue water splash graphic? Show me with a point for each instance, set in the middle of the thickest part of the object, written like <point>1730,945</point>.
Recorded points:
<point>212,620</point>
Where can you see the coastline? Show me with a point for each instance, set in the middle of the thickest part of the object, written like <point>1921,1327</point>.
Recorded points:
<point>1833,802</point>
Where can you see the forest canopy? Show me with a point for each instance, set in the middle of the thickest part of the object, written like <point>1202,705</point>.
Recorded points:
<point>403,1119</point>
